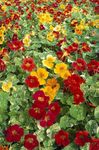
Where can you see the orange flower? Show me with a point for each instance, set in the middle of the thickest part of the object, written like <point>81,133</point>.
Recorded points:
<point>53,84</point>
<point>4,147</point>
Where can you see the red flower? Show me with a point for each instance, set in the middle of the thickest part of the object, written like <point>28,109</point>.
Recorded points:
<point>94,144</point>
<point>85,47</point>
<point>13,133</point>
<point>32,82</point>
<point>54,108</point>
<point>60,55</point>
<point>48,119</point>
<point>82,137</point>
<point>73,82</point>
<point>96,9</point>
<point>62,138</point>
<point>40,99</point>
<point>78,97</point>
<point>36,112</point>
<point>93,67</point>
<point>2,65</point>
<point>30,141</point>
<point>72,48</point>
<point>79,64</point>
<point>28,64</point>
<point>42,27</point>
<point>15,44</point>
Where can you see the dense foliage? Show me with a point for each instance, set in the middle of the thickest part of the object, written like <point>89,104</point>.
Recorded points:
<point>49,69</point>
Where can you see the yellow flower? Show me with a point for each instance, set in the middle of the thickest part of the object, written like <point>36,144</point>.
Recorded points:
<point>49,61</point>
<point>27,40</point>
<point>33,73</point>
<point>51,28</point>
<point>78,31</point>
<point>6,86</point>
<point>1,33</point>
<point>2,28</point>
<point>75,9</point>
<point>57,28</point>
<point>42,74</point>
<point>1,39</point>
<point>4,7</point>
<point>66,74</point>
<point>50,36</point>
<point>62,6</point>
<point>49,92</point>
<point>96,23</point>
<point>45,18</point>
<point>61,70</point>
<point>53,84</point>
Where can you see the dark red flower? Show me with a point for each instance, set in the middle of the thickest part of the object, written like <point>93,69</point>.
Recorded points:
<point>62,138</point>
<point>42,27</point>
<point>54,108</point>
<point>72,48</point>
<point>85,47</point>
<point>40,99</point>
<point>32,82</point>
<point>78,97</point>
<point>15,44</point>
<point>2,65</point>
<point>30,141</point>
<point>93,67</point>
<point>60,55</point>
<point>36,112</point>
<point>82,137</point>
<point>48,119</point>
<point>13,133</point>
<point>96,9</point>
<point>79,64</point>
<point>73,82</point>
<point>28,64</point>
<point>94,144</point>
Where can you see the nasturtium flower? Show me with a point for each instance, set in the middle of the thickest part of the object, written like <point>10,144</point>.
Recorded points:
<point>2,65</point>
<point>30,141</point>
<point>49,92</point>
<point>49,61</point>
<point>36,112</point>
<point>54,108</point>
<point>42,74</point>
<point>47,120</point>
<point>62,138</point>
<point>40,99</point>
<point>6,86</point>
<point>53,84</point>
<point>32,82</point>
<point>27,40</point>
<point>1,39</point>
<point>45,18</point>
<point>13,133</point>
<point>28,64</point>
<point>79,64</point>
<point>50,36</point>
<point>62,70</point>
<point>94,144</point>
<point>82,137</point>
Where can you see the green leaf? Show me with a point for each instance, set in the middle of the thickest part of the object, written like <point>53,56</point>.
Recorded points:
<point>85,147</point>
<point>3,101</point>
<point>71,146</point>
<point>78,112</point>
<point>91,127</point>
<point>66,122</point>
<point>96,113</point>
